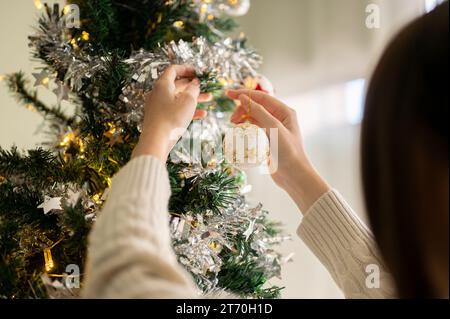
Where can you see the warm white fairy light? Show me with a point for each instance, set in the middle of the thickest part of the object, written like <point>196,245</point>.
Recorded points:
<point>38,4</point>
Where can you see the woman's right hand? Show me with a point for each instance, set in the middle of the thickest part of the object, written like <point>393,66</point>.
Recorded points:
<point>294,172</point>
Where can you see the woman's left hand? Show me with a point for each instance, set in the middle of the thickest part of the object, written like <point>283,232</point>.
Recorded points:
<point>169,108</point>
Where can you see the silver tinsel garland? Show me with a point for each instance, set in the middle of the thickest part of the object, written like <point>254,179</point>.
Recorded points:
<point>226,59</point>
<point>199,240</point>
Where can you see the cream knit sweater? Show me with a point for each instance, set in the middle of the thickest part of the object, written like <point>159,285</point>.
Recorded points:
<point>130,254</point>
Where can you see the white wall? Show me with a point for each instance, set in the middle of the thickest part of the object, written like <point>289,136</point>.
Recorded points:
<point>311,43</point>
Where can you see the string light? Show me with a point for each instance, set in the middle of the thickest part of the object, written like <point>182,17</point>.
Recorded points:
<point>178,24</point>
<point>214,246</point>
<point>203,8</point>
<point>112,129</point>
<point>212,162</point>
<point>2,77</point>
<point>38,4</point>
<point>30,107</point>
<point>113,134</point>
<point>67,139</point>
<point>223,81</point>
<point>66,9</point>
<point>81,146</point>
<point>49,264</point>
<point>85,36</point>
<point>159,18</point>
<point>96,197</point>
<point>74,44</point>
<point>48,259</point>
<point>72,138</point>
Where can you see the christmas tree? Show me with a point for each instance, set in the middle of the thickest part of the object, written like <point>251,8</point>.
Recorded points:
<point>102,56</point>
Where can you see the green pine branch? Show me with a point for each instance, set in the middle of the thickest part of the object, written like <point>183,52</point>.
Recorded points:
<point>25,230</point>
<point>40,168</point>
<point>210,191</point>
<point>17,83</point>
<point>134,24</point>
<point>241,274</point>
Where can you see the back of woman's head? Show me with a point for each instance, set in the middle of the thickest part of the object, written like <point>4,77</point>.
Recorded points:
<point>405,156</point>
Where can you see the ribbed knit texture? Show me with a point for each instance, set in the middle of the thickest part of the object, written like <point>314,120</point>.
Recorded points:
<point>345,246</point>
<point>130,254</point>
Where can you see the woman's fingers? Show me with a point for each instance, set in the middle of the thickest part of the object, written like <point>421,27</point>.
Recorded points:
<point>199,114</point>
<point>183,77</point>
<point>167,81</point>
<point>190,94</point>
<point>275,107</point>
<point>239,115</point>
<point>205,97</point>
<point>177,71</point>
<point>257,112</point>
<point>181,85</point>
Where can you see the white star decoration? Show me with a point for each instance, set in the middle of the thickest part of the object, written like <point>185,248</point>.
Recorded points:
<point>61,92</point>
<point>41,79</point>
<point>50,203</point>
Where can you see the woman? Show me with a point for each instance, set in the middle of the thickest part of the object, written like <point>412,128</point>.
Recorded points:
<point>405,178</point>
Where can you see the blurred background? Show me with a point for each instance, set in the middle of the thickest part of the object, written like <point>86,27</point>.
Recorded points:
<point>318,54</point>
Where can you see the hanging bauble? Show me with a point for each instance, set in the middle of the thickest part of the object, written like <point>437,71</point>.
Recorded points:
<point>246,145</point>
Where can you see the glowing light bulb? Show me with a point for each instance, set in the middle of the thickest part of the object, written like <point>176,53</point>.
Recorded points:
<point>85,36</point>
<point>38,4</point>
<point>30,107</point>
<point>68,138</point>
<point>203,8</point>
<point>48,260</point>
<point>223,81</point>
<point>66,9</point>
<point>178,24</point>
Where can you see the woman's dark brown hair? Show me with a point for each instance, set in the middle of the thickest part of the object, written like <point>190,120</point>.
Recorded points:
<point>405,156</point>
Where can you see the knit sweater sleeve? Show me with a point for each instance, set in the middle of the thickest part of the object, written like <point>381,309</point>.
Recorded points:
<point>345,246</point>
<point>130,254</point>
